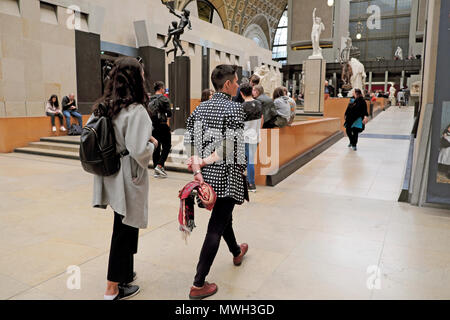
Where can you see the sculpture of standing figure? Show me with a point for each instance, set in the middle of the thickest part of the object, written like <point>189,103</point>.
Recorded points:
<point>177,30</point>
<point>317,29</point>
<point>398,54</point>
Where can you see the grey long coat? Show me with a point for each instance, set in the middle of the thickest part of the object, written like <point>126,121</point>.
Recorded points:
<point>127,191</point>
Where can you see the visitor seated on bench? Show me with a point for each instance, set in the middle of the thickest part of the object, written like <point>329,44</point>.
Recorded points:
<point>53,110</point>
<point>283,108</point>
<point>268,108</point>
<point>69,105</point>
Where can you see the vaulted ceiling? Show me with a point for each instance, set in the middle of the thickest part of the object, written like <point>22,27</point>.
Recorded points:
<point>238,14</point>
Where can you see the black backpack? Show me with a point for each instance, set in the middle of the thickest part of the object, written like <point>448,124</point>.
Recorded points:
<point>98,153</point>
<point>74,130</point>
<point>154,108</point>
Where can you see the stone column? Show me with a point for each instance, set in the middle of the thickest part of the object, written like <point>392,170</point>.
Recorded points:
<point>335,84</point>
<point>386,79</point>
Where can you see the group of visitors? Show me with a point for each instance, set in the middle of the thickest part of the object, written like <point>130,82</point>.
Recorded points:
<point>69,109</point>
<point>260,111</point>
<point>127,104</point>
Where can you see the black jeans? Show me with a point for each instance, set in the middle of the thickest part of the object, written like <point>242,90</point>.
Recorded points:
<point>220,225</point>
<point>352,134</point>
<point>162,133</point>
<point>53,115</point>
<point>123,247</point>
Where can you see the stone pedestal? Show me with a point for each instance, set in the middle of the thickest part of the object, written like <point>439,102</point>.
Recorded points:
<point>154,65</point>
<point>180,91</point>
<point>314,70</point>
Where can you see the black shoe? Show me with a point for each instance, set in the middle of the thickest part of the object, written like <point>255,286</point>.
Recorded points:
<point>251,188</point>
<point>127,291</point>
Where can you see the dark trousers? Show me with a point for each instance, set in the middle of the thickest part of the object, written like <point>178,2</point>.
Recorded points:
<point>123,247</point>
<point>75,114</point>
<point>220,225</point>
<point>352,134</point>
<point>52,117</point>
<point>162,133</point>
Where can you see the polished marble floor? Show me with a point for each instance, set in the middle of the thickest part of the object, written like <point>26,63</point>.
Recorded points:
<point>332,230</point>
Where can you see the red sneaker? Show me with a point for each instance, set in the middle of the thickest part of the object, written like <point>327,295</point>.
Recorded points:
<point>238,260</point>
<point>207,290</point>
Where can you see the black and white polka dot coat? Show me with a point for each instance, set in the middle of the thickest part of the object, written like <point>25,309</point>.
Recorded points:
<point>218,125</point>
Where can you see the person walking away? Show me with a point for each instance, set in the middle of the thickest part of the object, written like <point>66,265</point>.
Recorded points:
<point>268,107</point>
<point>252,128</point>
<point>161,129</point>
<point>70,109</point>
<point>126,192</point>
<point>214,138</point>
<point>53,110</point>
<point>356,117</point>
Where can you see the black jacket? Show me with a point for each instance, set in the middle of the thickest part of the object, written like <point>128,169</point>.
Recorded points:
<point>252,110</point>
<point>66,105</point>
<point>164,111</point>
<point>268,108</point>
<point>355,110</point>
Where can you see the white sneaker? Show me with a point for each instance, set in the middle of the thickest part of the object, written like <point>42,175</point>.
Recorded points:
<point>54,129</point>
<point>62,129</point>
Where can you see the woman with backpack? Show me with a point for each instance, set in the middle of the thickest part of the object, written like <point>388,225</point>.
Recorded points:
<point>126,191</point>
<point>356,117</point>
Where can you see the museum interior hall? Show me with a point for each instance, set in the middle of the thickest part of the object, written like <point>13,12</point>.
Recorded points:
<point>315,133</point>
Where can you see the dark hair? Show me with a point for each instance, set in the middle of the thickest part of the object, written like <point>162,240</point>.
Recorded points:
<point>159,85</point>
<point>126,86</point>
<point>286,91</point>
<point>255,79</point>
<point>246,89</point>
<point>221,74</point>
<point>56,104</point>
<point>358,93</point>
<point>446,130</point>
<point>278,92</point>
<point>259,88</point>
<point>206,94</point>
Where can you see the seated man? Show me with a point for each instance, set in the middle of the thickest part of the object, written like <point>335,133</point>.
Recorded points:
<point>268,107</point>
<point>69,105</point>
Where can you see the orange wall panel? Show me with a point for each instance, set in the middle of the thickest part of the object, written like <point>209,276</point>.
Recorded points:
<point>19,132</point>
<point>279,146</point>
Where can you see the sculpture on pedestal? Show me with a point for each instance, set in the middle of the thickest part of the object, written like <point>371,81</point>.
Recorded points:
<point>176,30</point>
<point>358,78</point>
<point>317,29</point>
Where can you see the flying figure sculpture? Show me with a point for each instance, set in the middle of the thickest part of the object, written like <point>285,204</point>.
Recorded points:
<point>176,30</point>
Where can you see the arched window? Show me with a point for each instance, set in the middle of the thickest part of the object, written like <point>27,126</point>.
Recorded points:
<point>279,48</point>
<point>205,11</point>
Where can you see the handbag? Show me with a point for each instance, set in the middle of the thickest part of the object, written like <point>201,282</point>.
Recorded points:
<point>358,123</point>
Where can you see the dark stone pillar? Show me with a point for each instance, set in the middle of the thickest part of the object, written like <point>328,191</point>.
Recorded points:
<point>180,91</point>
<point>205,68</point>
<point>89,72</point>
<point>154,65</point>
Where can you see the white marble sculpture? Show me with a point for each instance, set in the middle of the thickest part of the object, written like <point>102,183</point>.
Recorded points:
<point>392,95</point>
<point>399,53</point>
<point>270,78</point>
<point>358,79</point>
<point>317,29</point>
